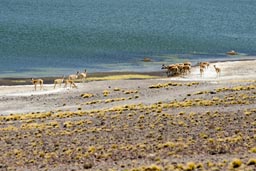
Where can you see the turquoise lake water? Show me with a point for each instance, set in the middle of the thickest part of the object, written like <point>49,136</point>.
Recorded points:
<point>51,38</point>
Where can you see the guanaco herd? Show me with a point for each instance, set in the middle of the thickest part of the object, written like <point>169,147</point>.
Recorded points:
<point>69,81</point>
<point>185,68</point>
<point>172,70</point>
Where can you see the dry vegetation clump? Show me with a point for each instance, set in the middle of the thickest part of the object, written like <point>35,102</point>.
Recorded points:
<point>87,95</point>
<point>196,132</point>
<point>115,93</point>
<point>169,84</point>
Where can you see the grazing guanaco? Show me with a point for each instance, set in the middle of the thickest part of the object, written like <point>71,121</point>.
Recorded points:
<point>187,63</point>
<point>177,69</point>
<point>218,70</point>
<point>70,82</point>
<point>37,81</point>
<point>180,68</point>
<point>204,64</point>
<point>186,69</point>
<point>58,81</point>
<point>171,69</point>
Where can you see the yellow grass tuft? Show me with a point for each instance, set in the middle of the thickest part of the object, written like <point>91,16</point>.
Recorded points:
<point>235,163</point>
<point>253,150</point>
<point>252,162</point>
<point>87,95</point>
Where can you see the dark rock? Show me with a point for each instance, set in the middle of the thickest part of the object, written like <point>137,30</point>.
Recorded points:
<point>87,165</point>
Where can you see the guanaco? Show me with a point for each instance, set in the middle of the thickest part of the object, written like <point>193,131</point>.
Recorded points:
<point>37,81</point>
<point>73,76</point>
<point>70,82</point>
<point>218,70</point>
<point>58,81</point>
<point>82,75</point>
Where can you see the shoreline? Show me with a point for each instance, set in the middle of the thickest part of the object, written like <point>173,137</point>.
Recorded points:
<point>97,76</point>
<point>91,76</point>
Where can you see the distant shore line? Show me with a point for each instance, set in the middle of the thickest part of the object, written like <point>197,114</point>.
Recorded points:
<point>10,81</point>
<point>91,76</point>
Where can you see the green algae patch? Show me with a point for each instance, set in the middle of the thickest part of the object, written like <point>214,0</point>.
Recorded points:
<point>122,77</point>
<point>19,81</point>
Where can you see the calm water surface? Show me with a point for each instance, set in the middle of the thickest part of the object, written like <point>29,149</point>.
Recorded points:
<point>51,38</point>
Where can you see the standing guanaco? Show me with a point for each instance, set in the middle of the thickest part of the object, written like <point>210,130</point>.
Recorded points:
<point>58,81</point>
<point>218,70</point>
<point>37,81</point>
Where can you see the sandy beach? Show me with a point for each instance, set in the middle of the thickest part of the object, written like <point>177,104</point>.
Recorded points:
<point>134,121</point>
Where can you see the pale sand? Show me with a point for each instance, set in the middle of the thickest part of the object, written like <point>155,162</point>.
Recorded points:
<point>24,99</point>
